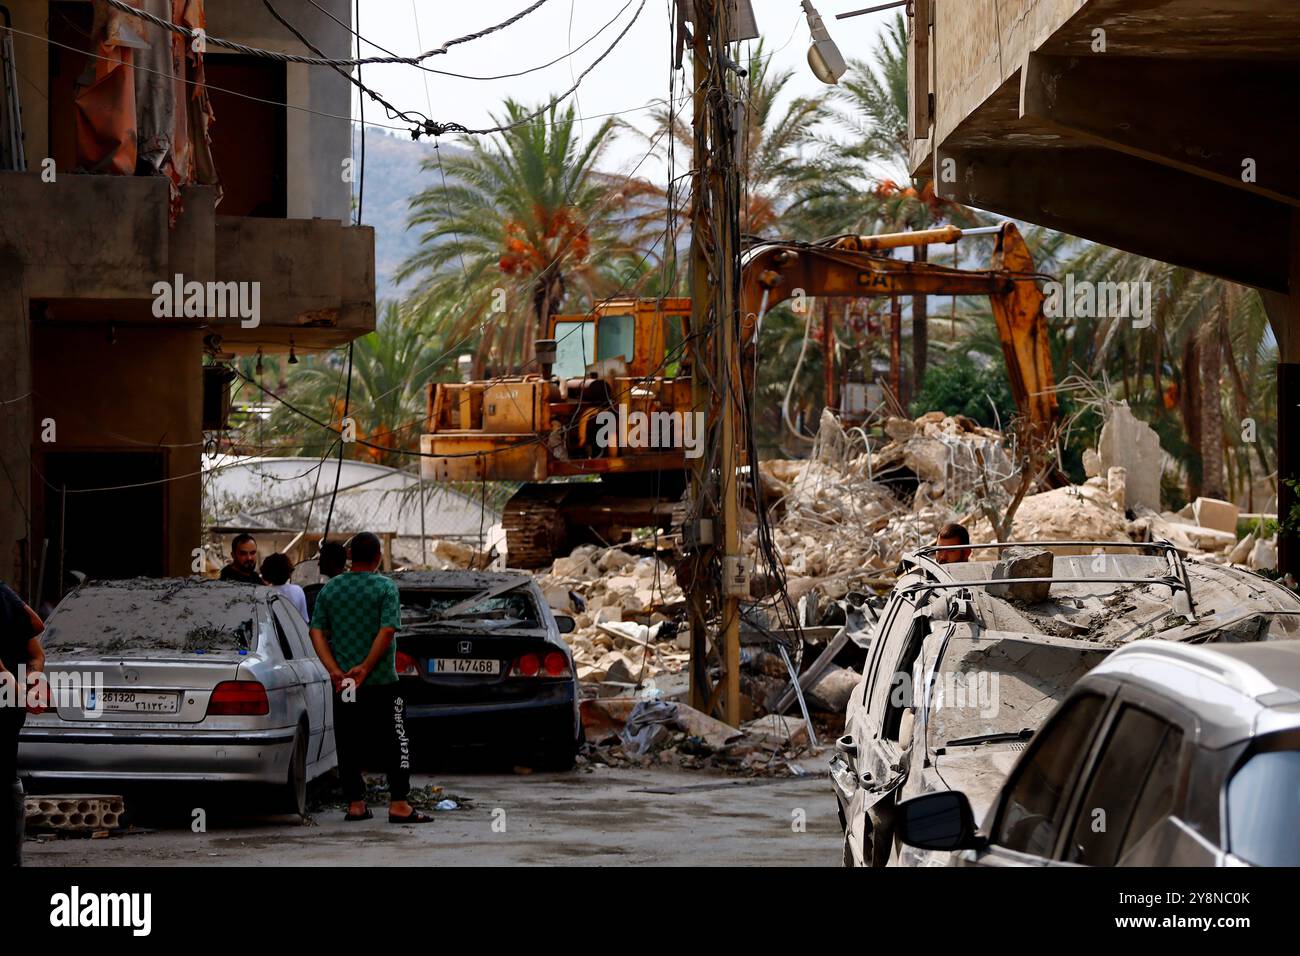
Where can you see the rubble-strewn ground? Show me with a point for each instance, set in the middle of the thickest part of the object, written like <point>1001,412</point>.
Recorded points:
<point>652,816</point>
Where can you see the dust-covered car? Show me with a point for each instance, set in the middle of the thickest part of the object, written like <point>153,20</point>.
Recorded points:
<point>481,664</point>
<point>182,680</point>
<point>968,659</point>
<point>1165,754</point>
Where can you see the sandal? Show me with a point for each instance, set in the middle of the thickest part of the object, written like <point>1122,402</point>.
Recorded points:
<point>415,816</point>
<point>359,816</point>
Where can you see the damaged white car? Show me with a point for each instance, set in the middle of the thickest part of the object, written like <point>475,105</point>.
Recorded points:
<point>968,659</point>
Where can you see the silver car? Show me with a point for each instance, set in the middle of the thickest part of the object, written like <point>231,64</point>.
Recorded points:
<point>1165,754</point>
<point>182,680</point>
<point>962,672</point>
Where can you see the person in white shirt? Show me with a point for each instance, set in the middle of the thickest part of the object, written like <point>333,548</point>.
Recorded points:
<point>276,571</point>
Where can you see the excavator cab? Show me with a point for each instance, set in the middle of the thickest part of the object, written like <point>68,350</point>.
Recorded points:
<point>608,398</point>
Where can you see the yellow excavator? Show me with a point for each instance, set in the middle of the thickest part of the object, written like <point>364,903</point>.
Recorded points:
<point>612,398</point>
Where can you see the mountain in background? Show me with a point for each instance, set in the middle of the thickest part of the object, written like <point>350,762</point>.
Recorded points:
<point>393,177</point>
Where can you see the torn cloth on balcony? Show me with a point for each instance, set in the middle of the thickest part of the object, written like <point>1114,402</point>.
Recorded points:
<point>146,110</point>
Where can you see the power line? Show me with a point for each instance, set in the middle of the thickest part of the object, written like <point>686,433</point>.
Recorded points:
<point>470,76</point>
<point>320,59</point>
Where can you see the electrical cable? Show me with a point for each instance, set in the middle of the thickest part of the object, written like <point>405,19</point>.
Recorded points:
<point>320,59</point>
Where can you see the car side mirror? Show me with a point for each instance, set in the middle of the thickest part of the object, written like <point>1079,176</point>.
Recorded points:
<point>937,821</point>
<point>566,624</point>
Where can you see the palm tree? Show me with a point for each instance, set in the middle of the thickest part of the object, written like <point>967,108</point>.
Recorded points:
<point>780,176</point>
<point>520,229</point>
<point>391,368</point>
<point>1205,357</point>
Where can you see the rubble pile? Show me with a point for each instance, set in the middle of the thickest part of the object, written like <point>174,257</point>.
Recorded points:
<point>624,606</point>
<point>848,513</point>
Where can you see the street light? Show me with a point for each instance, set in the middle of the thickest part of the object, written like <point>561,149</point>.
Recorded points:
<point>823,56</point>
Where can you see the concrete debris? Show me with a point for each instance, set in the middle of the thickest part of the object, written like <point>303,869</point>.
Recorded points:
<point>1216,514</point>
<point>627,731</point>
<point>1023,563</point>
<point>1130,443</point>
<point>841,521</point>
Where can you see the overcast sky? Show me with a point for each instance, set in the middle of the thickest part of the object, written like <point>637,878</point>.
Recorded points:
<point>631,77</point>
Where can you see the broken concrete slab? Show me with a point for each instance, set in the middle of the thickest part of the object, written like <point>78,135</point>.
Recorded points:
<point>1130,443</point>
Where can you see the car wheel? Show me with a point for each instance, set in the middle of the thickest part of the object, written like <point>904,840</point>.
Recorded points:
<point>293,792</point>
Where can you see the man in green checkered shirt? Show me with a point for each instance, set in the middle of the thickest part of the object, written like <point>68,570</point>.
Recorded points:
<point>352,628</point>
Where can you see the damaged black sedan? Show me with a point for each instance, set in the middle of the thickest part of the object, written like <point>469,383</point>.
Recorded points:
<point>482,665</point>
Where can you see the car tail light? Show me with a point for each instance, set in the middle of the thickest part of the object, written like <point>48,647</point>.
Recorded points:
<point>526,666</point>
<point>405,665</point>
<point>242,698</point>
<point>556,664</point>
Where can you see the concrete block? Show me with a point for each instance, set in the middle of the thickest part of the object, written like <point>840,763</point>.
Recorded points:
<point>74,812</point>
<point>1023,563</point>
<point>1216,514</point>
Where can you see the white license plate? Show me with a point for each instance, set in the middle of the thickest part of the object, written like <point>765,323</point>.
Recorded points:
<point>463,665</point>
<point>131,702</point>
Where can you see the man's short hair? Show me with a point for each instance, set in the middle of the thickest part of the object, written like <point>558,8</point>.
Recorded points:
<point>277,568</point>
<point>244,538</point>
<point>365,548</point>
<point>333,558</point>
<point>956,532</point>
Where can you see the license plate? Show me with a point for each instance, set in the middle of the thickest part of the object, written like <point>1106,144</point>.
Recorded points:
<point>463,665</point>
<point>131,702</point>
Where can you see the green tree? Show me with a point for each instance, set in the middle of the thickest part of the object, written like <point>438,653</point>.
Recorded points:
<point>520,229</point>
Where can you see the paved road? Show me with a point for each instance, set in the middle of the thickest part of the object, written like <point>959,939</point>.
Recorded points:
<point>602,817</point>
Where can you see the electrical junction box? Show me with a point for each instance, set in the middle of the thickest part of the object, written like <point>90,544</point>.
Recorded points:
<point>735,576</point>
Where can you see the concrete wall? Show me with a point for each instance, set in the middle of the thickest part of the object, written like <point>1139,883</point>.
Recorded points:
<point>317,145</point>
<point>141,392</point>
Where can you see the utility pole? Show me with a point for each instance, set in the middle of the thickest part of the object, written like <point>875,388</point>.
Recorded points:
<point>718,577</point>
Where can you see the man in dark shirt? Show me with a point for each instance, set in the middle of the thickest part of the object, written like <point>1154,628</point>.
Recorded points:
<point>21,656</point>
<point>243,561</point>
<point>332,561</point>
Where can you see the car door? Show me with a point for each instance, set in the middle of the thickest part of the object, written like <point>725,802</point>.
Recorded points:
<point>1130,789</point>
<point>309,672</point>
<point>1032,809</point>
<point>879,763</point>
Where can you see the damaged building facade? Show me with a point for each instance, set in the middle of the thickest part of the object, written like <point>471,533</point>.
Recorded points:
<point>163,211</point>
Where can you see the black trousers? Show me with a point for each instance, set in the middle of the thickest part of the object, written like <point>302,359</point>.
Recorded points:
<point>12,818</point>
<point>370,734</point>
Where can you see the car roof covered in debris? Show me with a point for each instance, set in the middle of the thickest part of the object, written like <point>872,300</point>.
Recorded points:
<point>1113,599</point>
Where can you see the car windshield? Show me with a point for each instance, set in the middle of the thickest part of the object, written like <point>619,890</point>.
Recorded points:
<point>422,608</point>
<point>1263,806</point>
<point>1001,687</point>
<point>149,616</point>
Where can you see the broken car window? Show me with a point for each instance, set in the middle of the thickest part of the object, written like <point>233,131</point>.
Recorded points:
<point>511,609</point>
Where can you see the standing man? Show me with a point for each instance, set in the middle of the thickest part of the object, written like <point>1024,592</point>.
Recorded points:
<point>953,536</point>
<point>243,561</point>
<point>352,628</point>
<point>20,652</point>
<point>332,561</point>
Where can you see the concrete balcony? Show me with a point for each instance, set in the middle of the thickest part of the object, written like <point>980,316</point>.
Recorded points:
<point>94,248</point>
